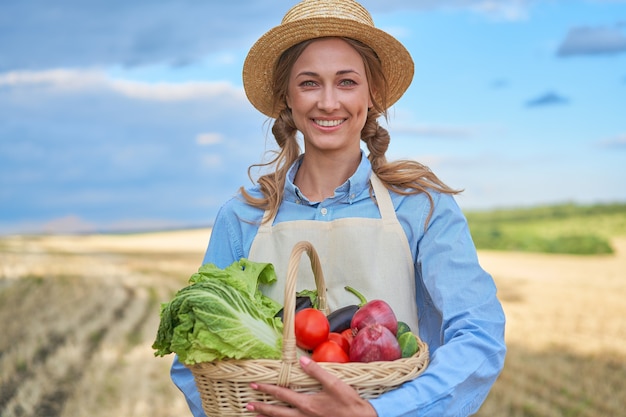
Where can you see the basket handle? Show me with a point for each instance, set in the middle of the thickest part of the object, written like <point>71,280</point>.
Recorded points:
<point>289,334</point>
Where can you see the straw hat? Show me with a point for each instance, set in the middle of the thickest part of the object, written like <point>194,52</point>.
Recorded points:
<point>311,19</point>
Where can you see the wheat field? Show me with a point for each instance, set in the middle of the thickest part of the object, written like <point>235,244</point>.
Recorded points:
<point>78,315</point>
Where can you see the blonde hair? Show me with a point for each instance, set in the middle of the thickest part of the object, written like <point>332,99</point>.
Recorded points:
<point>402,176</point>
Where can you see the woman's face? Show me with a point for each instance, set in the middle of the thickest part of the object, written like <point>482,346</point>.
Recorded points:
<point>329,96</point>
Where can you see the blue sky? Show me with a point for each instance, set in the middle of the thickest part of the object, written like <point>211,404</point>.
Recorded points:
<point>119,115</point>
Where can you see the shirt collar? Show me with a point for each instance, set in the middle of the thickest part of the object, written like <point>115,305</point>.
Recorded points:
<point>347,192</point>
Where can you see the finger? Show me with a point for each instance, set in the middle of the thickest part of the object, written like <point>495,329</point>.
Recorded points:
<point>311,368</point>
<point>281,394</point>
<point>269,410</point>
<point>278,392</point>
<point>339,398</point>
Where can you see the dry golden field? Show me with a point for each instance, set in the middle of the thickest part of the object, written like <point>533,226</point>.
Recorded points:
<point>78,315</point>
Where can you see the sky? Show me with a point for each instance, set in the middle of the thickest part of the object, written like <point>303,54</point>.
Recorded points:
<point>130,115</point>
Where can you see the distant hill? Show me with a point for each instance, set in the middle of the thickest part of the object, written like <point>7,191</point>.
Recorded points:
<point>563,228</point>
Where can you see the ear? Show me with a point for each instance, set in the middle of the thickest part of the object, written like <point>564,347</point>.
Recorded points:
<point>288,102</point>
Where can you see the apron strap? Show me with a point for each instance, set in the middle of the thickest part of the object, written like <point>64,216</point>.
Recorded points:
<point>266,226</point>
<point>383,199</point>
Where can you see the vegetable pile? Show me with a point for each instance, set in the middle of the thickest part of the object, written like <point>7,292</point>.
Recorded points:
<point>222,314</point>
<point>365,332</point>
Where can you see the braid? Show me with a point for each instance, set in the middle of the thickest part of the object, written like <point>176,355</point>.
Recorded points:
<point>284,128</point>
<point>376,138</point>
<point>272,185</point>
<point>402,176</point>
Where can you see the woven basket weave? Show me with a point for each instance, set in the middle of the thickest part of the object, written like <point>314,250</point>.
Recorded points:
<point>224,385</point>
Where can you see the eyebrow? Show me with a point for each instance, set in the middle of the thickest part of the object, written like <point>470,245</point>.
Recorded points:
<point>314,74</point>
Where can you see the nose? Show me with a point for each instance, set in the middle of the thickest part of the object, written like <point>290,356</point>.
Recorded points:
<point>328,100</point>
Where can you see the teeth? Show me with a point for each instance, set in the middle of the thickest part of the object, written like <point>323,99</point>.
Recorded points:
<point>329,123</point>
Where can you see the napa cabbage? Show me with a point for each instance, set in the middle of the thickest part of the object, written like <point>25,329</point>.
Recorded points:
<point>222,314</point>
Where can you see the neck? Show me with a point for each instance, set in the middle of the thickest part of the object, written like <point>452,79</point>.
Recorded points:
<point>319,176</point>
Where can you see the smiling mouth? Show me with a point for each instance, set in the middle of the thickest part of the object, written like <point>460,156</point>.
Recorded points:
<point>328,123</point>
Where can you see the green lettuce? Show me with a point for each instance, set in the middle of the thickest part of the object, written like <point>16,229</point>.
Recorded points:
<point>222,314</point>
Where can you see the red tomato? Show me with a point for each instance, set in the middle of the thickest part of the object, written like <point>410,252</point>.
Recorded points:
<point>312,328</point>
<point>340,340</point>
<point>348,334</point>
<point>330,351</point>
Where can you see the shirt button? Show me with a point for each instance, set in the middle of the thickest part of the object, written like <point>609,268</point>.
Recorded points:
<point>324,211</point>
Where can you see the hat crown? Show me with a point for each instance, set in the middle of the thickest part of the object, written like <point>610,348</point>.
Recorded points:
<point>339,9</point>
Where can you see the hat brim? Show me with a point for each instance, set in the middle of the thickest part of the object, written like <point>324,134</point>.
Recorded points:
<point>258,67</point>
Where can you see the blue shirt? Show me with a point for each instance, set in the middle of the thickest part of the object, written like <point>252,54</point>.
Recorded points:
<point>461,318</point>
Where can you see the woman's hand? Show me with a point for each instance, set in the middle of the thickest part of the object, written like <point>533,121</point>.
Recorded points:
<point>336,398</point>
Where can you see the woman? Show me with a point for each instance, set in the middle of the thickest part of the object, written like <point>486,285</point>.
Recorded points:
<point>392,230</point>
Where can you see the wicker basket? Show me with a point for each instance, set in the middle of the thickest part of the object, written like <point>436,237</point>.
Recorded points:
<point>224,385</point>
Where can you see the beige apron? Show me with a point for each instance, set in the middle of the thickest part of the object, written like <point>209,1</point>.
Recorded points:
<point>370,255</point>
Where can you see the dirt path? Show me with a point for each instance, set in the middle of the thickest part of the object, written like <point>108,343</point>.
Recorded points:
<point>78,316</point>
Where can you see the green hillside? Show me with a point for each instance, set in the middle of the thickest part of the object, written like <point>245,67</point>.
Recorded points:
<point>564,228</point>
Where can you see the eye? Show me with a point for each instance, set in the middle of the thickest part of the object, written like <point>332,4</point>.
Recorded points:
<point>308,83</point>
<point>347,83</point>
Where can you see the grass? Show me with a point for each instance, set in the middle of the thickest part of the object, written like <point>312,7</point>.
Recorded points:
<point>565,228</point>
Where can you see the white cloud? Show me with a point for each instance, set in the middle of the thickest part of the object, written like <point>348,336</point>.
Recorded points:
<point>88,79</point>
<point>173,91</point>
<point>209,139</point>
<point>69,79</point>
